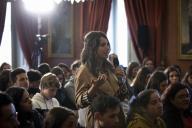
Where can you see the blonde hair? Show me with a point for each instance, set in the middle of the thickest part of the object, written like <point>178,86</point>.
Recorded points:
<point>49,80</point>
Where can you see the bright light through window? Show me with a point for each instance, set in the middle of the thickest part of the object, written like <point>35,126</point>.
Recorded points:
<point>5,47</point>
<point>118,32</point>
<point>39,6</point>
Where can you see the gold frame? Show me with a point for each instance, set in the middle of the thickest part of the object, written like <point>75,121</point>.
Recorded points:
<point>60,41</point>
<point>184,51</point>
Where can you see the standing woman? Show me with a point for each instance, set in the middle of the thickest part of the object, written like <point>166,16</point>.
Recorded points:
<point>95,75</point>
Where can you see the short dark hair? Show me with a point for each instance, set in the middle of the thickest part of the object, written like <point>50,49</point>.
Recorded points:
<point>34,75</point>
<point>44,68</point>
<point>57,70</point>
<point>16,94</point>
<point>4,79</point>
<point>104,102</point>
<point>15,72</point>
<point>5,100</point>
<point>63,65</point>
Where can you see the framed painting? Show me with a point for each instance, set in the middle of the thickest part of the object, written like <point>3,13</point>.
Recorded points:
<point>185,29</point>
<point>60,29</point>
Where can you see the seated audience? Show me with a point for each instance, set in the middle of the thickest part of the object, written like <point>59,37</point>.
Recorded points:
<point>147,62</point>
<point>61,94</point>
<point>173,75</point>
<point>140,81</point>
<point>19,78</point>
<point>132,71</point>
<point>66,70</point>
<point>59,73</point>
<point>158,81</point>
<point>59,117</point>
<point>106,111</point>
<point>34,77</point>
<point>176,101</point>
<point>4,66</point>
<point>146,110</point>
<point>178,68</point>
<point>44,68</point>
<point>70,86</point>
<point>27,117</point>
<point>45,100</point>
<point>187,80</point>
<point>8,116</point>
<point>5,79</point>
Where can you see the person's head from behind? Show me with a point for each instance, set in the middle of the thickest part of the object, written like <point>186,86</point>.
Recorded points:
<point>132,70</point>
<point>21,99</point>
<point>96,45</point>
<point>173,75</point>
<point>158,81</point>
<point>177,95</point>
<point>148,102</point>
<point>141,78</point>
<point>44,68</point>
<point>59,73</point>
<point>49,84</point>
<point>5,79</point>
<point>19,78</point>
<point>34,77</point>
<point>8,117</point>
<point>59,117</point>
<point>75,66</point>
<point>106,111</point>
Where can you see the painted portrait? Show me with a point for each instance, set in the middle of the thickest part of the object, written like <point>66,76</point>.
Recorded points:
<point>185,29</point>
<point>60,43</point>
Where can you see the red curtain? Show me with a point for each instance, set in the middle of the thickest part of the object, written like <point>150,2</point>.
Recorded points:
<point>3,5</point>
<point>146,12</point>
<point>95,15</point>
<point>26,27</point>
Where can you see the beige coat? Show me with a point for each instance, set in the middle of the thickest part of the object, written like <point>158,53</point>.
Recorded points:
<point>83,83</point>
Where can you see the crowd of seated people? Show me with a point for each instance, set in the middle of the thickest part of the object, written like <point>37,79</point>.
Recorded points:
<point>96,92</point>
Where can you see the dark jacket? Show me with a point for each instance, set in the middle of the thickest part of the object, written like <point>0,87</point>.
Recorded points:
<point>30,120</point>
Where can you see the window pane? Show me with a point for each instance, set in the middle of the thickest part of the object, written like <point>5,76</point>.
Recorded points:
<point>5,47</point>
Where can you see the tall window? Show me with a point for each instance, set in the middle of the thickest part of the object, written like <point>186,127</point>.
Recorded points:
<point>118,34</point>
<point>5,47</point>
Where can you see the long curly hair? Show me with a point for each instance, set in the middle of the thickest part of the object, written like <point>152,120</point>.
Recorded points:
<point>89,53</point>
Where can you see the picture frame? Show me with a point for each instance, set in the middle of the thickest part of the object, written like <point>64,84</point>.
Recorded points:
<point>185,29</point>
<point>60,30</point>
